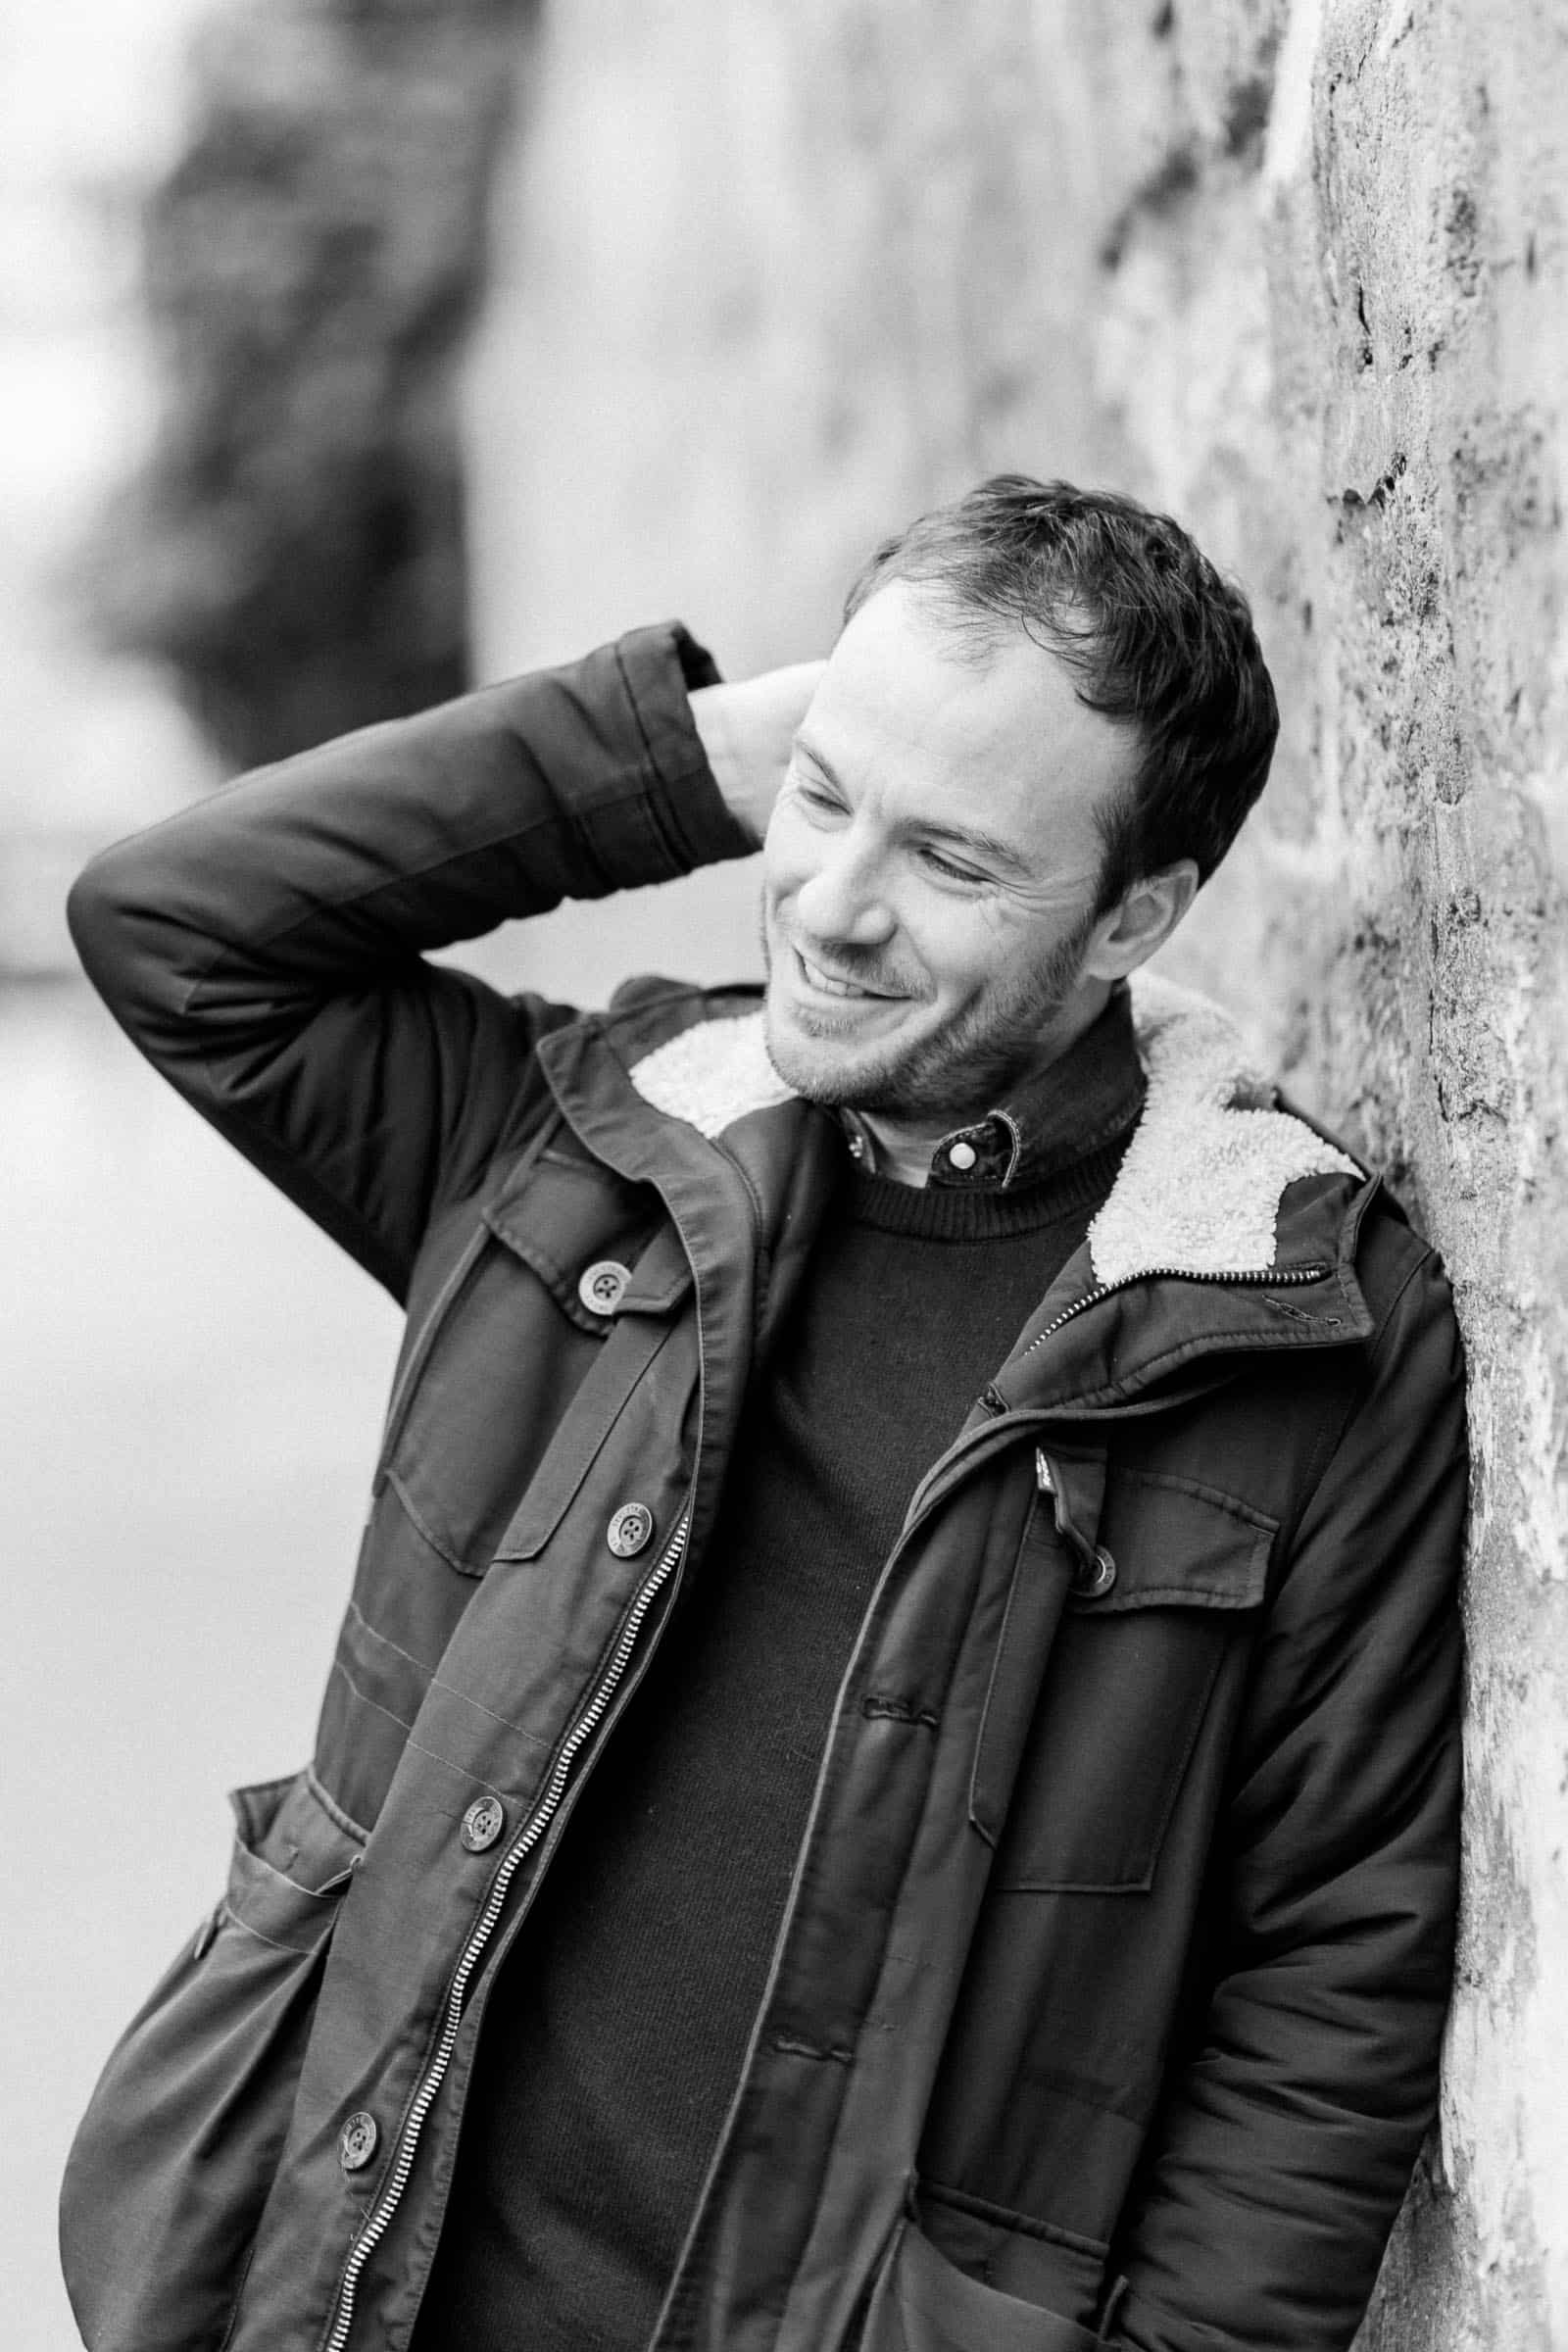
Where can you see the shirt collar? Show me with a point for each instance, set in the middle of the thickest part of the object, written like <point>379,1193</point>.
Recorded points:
<point>1075,1106</point>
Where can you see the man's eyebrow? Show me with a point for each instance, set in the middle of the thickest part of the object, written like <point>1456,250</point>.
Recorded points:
<point>984,844</point>
<point>965,837</point>
<point>810,752</point>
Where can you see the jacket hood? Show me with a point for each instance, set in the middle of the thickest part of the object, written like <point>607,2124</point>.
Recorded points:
<point>1200,1188</point>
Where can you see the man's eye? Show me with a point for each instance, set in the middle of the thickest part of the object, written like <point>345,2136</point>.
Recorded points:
<point>953,873</point>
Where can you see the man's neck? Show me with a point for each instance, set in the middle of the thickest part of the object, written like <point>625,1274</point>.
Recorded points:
<point>903,1152</point>
<point>904,1146</point>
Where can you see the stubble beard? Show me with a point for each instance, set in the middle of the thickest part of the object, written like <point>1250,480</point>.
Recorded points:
<point>951,1075</point>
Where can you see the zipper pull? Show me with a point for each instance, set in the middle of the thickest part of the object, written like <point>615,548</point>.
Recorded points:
<point>1095,1571</point>
<point>1049,1483</point>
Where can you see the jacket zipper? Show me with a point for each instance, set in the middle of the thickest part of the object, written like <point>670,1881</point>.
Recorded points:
<point>533,1830</point>
<point>1271,1277</point>
<point>995,1403</point>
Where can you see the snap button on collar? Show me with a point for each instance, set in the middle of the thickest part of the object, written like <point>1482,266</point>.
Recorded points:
<point>987,1153</point>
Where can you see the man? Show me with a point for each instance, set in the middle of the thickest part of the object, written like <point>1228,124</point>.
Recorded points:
<point>891,1762</point>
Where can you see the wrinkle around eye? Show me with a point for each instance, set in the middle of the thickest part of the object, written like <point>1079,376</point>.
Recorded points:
<point>812,796</point>
<point>964,877</point>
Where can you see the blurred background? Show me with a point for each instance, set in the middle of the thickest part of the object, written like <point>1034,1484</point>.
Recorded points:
<point>354,351</point>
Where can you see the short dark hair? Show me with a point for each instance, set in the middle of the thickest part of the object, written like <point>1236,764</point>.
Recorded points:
<point>1152,632</point>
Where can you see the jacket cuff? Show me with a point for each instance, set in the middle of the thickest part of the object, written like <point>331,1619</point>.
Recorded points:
<point>660,667</point>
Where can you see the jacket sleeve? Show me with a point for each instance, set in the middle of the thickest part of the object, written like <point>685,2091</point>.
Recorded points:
<point>1290,2131</point>
<point>266,948</point>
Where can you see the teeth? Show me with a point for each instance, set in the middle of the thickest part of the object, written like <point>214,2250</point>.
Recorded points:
<point>827,982</point>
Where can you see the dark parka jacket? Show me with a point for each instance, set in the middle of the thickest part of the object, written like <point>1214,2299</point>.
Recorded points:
<point>1108,1998</point>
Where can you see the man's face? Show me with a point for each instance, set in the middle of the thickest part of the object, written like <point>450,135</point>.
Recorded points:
<point>931,867</point>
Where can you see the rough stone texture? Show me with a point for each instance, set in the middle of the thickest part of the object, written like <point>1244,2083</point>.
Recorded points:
<point>765,281</point>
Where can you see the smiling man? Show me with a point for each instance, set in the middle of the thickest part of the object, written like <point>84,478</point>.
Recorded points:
<point>890,1778</point>
<point>934,917</point>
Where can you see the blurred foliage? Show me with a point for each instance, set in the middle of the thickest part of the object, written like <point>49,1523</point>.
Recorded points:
<point>293,550</point>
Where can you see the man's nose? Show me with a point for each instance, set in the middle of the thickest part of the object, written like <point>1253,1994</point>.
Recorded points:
<point>845,898</point>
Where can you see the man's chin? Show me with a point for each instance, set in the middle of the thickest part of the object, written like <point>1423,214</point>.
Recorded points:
<point>820,1069</point>
<point>839,1075</point>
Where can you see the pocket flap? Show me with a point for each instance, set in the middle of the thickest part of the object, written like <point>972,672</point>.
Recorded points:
<point>660,1276</point>
<point>568,1219</point>
<point>1178,1543</point>
<point>290,1864</point>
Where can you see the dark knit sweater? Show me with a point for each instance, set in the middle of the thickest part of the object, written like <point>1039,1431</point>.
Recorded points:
<point>616,2033</point>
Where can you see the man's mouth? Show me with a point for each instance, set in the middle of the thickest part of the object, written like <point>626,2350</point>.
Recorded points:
<point>831,984</point>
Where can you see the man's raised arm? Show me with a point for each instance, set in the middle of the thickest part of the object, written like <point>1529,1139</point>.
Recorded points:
<point>265,947</point>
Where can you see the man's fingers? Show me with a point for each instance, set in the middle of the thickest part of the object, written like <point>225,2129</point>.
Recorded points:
<point>746,728</point>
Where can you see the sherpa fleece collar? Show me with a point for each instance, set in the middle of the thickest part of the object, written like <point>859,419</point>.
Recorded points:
<point>1199,1187</point>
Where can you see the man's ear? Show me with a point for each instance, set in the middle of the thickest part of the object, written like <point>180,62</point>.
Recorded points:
<point>1142,920</point>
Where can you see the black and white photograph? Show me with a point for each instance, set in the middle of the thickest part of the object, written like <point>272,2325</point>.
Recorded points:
<point>783,1001</point>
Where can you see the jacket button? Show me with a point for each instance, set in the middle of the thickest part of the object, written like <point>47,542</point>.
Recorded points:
<point>356,2142</point>
<point>483,1823</point>
<point>631,1530</point>
<point>1092,1580</point>
<point>601,1285</point>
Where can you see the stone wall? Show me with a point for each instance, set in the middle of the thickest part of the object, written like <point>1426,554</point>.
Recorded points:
<point>765,280</point>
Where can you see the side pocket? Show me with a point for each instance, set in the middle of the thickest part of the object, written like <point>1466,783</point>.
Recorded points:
<point>173,2158</point>
<point>923,2303</point>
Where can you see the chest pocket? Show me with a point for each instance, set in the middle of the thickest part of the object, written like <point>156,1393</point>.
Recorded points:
<point>1129,1697</point>
<point>513,1336</point>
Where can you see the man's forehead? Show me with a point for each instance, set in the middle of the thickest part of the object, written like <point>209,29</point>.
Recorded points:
<point>906,706</point>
